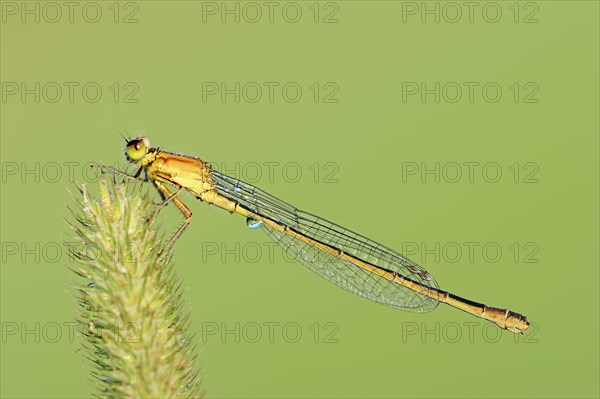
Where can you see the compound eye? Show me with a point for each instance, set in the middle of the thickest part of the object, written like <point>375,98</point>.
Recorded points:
<point>136,149</point>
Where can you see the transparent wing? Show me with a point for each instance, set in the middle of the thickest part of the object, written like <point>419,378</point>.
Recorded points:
<point>333,268</point>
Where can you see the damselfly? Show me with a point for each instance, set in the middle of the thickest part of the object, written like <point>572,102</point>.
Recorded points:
<point>337,254</point>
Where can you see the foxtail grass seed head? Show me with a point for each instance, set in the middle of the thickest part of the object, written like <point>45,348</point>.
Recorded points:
<point>131,314</point>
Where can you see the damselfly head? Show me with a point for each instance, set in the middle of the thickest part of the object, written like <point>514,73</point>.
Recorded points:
<point>136,149</point>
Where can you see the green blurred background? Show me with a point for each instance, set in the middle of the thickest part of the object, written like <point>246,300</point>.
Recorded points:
<point>361,134</point>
